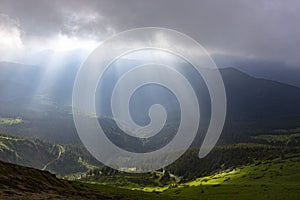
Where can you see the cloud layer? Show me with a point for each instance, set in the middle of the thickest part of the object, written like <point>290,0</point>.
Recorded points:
<point>267,29</point>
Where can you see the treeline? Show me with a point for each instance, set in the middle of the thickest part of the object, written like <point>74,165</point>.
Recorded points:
<point>189,166</point>
<point>114,177</point>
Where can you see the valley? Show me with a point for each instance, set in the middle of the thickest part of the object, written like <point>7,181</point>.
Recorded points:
<point>257,153</point>
<point>269,179</point>
<point>149,100</point>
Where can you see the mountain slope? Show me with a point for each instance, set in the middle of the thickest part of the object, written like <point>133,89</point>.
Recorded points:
<point>267,180</point>
<point>253,105</point>
<point>259,98</point>
<point>17,182</point>
<point>260,68</point>
<point>59,159</point>
<point>18,81</point>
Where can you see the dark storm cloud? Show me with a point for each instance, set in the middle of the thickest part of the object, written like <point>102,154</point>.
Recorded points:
<point>48,18</point>
<point>266,29</point>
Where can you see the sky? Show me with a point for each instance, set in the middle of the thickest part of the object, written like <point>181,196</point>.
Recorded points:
<point>260,29</point>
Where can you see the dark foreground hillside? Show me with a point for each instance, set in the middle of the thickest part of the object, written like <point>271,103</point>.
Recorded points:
<point>17,182</point>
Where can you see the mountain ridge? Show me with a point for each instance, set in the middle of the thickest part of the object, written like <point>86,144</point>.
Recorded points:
<point>253,104</point>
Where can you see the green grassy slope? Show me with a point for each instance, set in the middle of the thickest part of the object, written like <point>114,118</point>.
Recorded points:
<point>276,179</point>
<point>59,159</point>
<point>189,166</point>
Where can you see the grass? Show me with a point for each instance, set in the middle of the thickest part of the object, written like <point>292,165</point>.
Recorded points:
<point>276,179</point>
<point>133,181</point>
<point>10,121</point>
<point>266,179</point>
<point>270,180</point>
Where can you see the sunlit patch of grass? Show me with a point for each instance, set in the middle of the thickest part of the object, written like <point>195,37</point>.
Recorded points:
<point>10,121</point>
<point>4,146</point>
<point>86,164</point>
<point>149,188</point>
<point>216,179</point>
<point>5,137</point>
